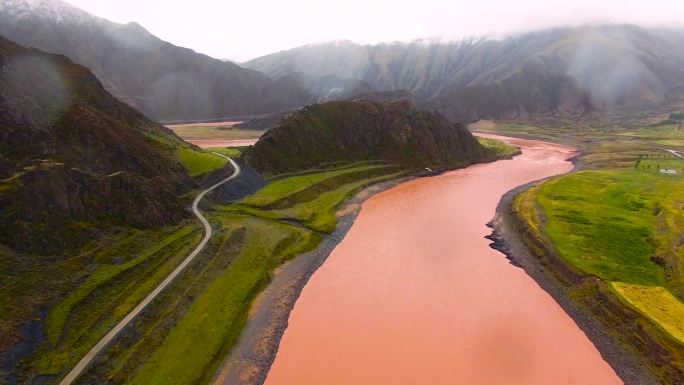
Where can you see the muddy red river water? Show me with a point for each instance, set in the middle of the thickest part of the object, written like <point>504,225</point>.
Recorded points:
<point>209,143</point>
<point>414,294</point>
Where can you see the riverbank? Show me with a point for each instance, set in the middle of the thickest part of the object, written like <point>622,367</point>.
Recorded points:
<point>510,236</point>
<point>636,348</point>
<point>414,294</point>
<point>249,361</point>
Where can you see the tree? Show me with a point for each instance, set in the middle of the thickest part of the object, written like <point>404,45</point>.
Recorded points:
<point>679,117</point>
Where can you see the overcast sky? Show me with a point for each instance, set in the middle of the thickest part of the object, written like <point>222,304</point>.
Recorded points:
<point>244,29</point>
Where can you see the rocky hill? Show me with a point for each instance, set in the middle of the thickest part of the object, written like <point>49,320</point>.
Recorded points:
<point>351,131</point>
<point>72,156</point>
<point>583,71</point>
<point>163,81</point>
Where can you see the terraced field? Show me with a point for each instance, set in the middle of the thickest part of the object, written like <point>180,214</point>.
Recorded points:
<point>186,333</point>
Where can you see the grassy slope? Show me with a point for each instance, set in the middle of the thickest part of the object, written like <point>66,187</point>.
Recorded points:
<point>604,222</point>
<point>101,284</point>
<point>622,220</point>
<point>281,188</point>
<point>199,162</point>
<point>501,148</point>
<point>215,319</point>
<point>195,349</point>
<point>228,151</point>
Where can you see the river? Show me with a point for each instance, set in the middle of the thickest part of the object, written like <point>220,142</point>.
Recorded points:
<point>414,294</point>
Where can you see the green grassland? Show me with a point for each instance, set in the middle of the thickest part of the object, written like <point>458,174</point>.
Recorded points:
<point>501,148</point>
<point>620,219</point>
<point>233,152</point>
<point>90,291</point>
<point>199,162</point>
<point>616,224</point>
<point>195,332</point>
<point>214,320</point>
<point>283,187</point>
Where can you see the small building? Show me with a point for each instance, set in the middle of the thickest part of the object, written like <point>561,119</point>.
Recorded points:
<point>668,170</point>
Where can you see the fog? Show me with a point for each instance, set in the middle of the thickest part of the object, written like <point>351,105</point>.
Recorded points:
<point>244,29</point>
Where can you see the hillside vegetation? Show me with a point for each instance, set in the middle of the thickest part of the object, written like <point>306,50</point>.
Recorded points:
<point>162,80</point>
<point>173,342</point>
<point>337,133</point>
<point>619,224</point>
<point>91,208</point>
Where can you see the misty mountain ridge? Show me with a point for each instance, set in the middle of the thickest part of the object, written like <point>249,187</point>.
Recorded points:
<point>72,156</point>
<point>164,81</point>
<point>395,132</point>
<point>581,71</point>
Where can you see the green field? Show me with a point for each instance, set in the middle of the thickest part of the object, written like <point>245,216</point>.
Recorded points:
<point>233,152</point>
<point>621,219</point>
<point>501,148</point>
<point>93,290</point>
<point>284,187</point>
<point>186,332</point>
<point>199,162</point>
<point>613,224</point>
<point>194,347</point>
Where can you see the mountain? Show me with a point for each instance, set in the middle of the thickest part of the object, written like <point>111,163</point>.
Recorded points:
<point>73,157</point>
<point>163,81</point>
<point>582,71</point>
<point>351,131</point>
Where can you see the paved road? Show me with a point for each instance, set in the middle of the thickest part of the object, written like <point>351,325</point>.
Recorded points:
<point>88,358</point>
<point>673,152</point>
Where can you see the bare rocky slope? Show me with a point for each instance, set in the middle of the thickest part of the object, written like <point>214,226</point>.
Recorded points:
<point>72,156</point>
<point>163,81</point>
<point>583,71</point>
<point>363,130</point>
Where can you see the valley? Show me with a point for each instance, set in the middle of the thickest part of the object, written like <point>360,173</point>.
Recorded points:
<point>504,208</point>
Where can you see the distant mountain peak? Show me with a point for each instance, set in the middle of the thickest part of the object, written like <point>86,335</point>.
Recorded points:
<point>162,80</point>
<point>578,71</point>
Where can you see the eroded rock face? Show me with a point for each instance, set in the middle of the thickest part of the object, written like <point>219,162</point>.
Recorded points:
<point>72,156</point>
<point>350,131</point>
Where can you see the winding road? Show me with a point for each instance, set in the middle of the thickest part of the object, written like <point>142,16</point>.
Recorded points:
<point>88,358</point>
